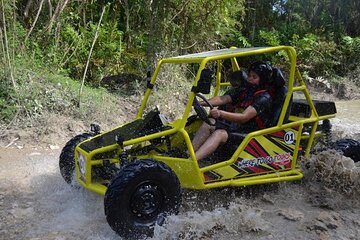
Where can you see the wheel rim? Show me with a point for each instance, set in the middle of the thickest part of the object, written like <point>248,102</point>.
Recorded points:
<point>147,201</point>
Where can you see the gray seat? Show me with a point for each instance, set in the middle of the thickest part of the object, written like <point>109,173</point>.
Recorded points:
<point>278,103</point>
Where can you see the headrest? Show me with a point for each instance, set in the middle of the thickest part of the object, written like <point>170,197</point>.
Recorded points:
<point>206,75</point>
<point>204,83</point>
<point>238,78</point>
<point>278,79</point>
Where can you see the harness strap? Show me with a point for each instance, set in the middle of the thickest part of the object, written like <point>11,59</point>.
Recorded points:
<point>259,91</point>
<point>259,122</point>
<point>244,102</point>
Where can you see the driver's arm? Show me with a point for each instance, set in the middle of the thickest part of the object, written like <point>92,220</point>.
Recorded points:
<point>260,104</point>
<point>249,113</point>
<point>217,101</point>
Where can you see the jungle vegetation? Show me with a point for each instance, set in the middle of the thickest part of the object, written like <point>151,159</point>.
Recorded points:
<point>62,42</point>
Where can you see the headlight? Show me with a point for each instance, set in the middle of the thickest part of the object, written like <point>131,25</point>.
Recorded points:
<point>82,164</point>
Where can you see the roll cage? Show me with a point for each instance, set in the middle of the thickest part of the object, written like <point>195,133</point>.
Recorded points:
<point>295,84</point>
<point>264,156</point>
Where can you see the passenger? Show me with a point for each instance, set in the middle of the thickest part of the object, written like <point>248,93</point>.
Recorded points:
<point>250,111</point>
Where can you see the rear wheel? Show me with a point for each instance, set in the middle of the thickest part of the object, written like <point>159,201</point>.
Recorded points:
<point>67,156</point>
<point>142,194</point>
<point>349,147</point>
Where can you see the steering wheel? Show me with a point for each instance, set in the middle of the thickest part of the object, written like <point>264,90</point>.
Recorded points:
<point>200,110</point>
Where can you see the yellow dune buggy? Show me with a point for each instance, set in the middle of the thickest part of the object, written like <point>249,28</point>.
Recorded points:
<point>141,166</point>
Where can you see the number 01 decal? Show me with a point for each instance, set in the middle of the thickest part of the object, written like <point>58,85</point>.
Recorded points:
<point>289,137</point>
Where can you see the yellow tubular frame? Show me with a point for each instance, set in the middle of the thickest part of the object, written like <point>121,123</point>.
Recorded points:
<point>186,167</point>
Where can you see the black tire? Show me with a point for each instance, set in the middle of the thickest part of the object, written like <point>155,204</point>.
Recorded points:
<point>142,194</point>
<point>67,156</point>
<point>349,147</point>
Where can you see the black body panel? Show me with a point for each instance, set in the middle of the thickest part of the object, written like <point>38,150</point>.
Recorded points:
<point>301,108</point>
<point>138,128</point>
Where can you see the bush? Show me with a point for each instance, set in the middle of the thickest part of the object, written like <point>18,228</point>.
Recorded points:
<point>350,48</point>
<point>40,92</point>
<point>318,56</point>
<point>8,105</point>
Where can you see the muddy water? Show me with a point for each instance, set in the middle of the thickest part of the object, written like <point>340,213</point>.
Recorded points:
<point>347,122</point>
<point>36,203</point>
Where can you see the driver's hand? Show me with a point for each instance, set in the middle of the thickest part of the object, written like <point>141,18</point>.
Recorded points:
<point>215,112</point>
<point>202,103</point>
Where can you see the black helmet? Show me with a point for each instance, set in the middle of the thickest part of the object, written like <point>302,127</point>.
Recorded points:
<point>238,78</point>
<point>263,70</point>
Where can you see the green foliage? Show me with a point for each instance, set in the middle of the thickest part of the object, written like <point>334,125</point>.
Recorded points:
<point>8,105</point>
<point>316,55</point>
<point>238,40</point>
<point>134,34</point>
<point>270,38</point>
<point>40,92</point>
<point>350,48</point>
<point>106,55</point>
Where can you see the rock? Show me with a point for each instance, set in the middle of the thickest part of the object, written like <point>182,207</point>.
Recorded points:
<point>324,236</point>
<point>324,222</point>
<point>18,212</point>
<point>291,214</point>
<point>356,222</point>
<point>318,227</point>
<point>332,220</point>
<point>35,154</point>
<point>53,147</point>
<point>3,232</point>
<point>267,198</point>
<point>341,91</point>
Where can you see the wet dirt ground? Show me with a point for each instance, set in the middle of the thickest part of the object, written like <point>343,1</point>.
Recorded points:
<point>36,203</point>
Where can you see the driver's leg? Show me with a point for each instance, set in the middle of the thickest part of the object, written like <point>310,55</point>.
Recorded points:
<point>202,134</point>
<point>217,138</point>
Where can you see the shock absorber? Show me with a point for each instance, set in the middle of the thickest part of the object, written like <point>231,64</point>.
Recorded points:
<point>124,160</point>
<point>326,127</point>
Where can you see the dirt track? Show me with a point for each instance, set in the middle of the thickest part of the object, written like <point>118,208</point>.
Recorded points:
<point>37,204</point>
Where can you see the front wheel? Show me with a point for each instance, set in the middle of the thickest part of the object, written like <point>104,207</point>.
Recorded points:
<point>142,194</point>
<point>67,156</point>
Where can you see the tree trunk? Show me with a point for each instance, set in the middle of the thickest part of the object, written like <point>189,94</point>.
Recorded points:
<point>27,9</point>
<point>156,19</point>
<point>50,9</point>
<point>88,60</point>
<point>127,35</point>
<point>6,46</point>
<point>34,23</point>
<point>3,51</point>
<point>58,10</point>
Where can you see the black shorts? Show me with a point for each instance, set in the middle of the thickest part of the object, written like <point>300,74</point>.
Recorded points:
<point>231,127</point>
<point>226,125</point>
<point>234,127</point>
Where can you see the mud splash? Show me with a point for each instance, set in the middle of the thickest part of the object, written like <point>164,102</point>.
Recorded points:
<point>324,205</point>
<point>334,171</point>
<point>236,219</point>
<point>37,204</point>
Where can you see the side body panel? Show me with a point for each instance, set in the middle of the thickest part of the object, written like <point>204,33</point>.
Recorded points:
<point>264,154</point>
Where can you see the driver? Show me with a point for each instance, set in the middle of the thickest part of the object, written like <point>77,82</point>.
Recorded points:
<point>248,108</point>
